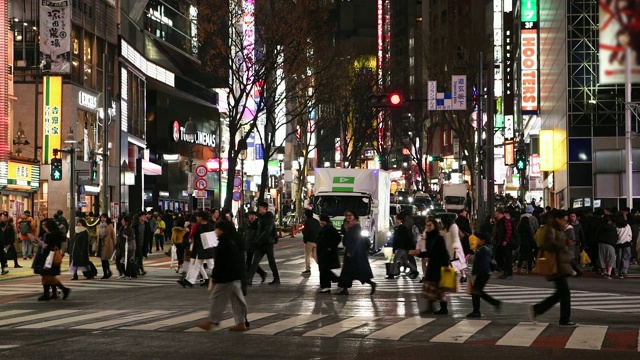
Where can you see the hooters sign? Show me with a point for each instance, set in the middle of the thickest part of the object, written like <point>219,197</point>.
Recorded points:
<point>530,81</point>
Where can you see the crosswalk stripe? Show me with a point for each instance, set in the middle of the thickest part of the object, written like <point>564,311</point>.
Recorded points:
<point>286,324</point>
<point>590,302</point>
<point>13,312</point>
<point>340,327</point>
<point>169,322</point>
<point>52,323</point>
<point>522,334</point>
<point>587,337</point>
<point>294,262</point>
<point>460,332</point>
<point>124,320</point>
<point>37,316</point>
<point>225,324</point>
<point>400,329</point>
<point>164,263</point>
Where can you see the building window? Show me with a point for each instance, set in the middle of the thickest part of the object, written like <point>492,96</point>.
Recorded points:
<point>88,52</point>
<point>136,113</point>
<point>76,50</point>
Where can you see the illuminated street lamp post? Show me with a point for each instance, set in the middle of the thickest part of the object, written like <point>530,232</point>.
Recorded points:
<point>280,185</point>
<point>71,151</point>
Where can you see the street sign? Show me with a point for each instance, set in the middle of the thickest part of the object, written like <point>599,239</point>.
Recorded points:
<point>199,194</point>
<point>237,182</point>
<point>237,195</point>
<point>201,184</point>
<point>201,171</point>
<point>83,177</point>
<point>190,183</point>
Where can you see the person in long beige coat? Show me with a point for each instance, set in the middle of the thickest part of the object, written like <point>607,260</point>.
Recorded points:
<point>108,236</point>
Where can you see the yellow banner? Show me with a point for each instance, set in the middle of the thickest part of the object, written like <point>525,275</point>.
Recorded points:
<point>546,150</point>
<point>51,115</point>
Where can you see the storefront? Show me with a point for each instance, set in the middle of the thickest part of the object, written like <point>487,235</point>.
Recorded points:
<point>19,181</point>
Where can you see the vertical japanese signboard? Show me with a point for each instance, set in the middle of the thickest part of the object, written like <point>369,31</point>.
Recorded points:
<point>459,92</point>
<point>529,57</point>
<point>51,116</point>
<point>55,36</point>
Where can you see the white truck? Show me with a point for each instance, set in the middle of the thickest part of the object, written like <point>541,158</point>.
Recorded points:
<point>454,196</point>
<point>364,191</point>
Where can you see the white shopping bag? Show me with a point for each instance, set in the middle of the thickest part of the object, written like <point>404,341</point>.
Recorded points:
<point>174,256</point>
<point>209,240</point>
<point>48,263</point>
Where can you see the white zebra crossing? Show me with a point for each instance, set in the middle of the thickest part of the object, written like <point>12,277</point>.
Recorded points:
<point>85,285</point>
<point>522,334</point>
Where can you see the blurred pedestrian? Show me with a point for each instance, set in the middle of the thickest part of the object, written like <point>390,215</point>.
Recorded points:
<point>556,242</point>
<point>356,255</point>
<point>80,250</point>
<point>266,239</point>
<point>8,233</point>
<point>226,280</point>
<point>327,253</point>
<point>52,241</point>
<point>108,244</point>
<point>310,237</point>
<point>482,272</point>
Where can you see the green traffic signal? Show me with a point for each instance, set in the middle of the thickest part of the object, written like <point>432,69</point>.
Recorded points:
<point>56,169</point>
<point>521,164</point>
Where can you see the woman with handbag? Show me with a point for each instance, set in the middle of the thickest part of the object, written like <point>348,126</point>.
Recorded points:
<point>125,246</point>
<point>198,253</point>
<point>108,245</point>
<point>49,269</point>
<point>554,245</point>
<point>438,258</point>
<point>451,234</point>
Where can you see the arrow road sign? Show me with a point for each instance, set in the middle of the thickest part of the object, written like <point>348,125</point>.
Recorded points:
<point>201,184</point>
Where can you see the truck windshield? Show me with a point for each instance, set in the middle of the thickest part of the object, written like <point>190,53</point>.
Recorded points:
<point>455,200</point>
<point>336,205</point>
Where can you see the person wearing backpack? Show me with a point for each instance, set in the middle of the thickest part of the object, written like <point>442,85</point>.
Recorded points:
<point>26,229</point>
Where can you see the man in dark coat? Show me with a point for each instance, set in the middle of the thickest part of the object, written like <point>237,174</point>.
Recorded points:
<point>309,237</point>
<point>266,238</point>
<point>356,256</point>
<point>502,235</point>
<point>144,236</point>
<point>402,244</point>
<point>250,238</point>
<point>327,250</point>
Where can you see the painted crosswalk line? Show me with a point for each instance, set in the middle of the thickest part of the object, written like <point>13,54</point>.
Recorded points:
<point>37,316</point>
<point>340,327</point>
<point>523,334</point>
<point>120,321</point>
<point>400,329</point>
<point>587,338</point>
<point>225,324</point>
<point>286,324</point>
<point>72,319</point>
<point>460,332</point>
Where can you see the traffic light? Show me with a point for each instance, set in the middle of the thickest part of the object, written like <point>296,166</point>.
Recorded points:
<point>481,162</point>
<point>56,169</point>
<point>94,169</point>
<point>385,100</point>
<point>521,159</point>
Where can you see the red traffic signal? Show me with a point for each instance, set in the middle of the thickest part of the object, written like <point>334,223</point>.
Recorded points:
<point>385,100</point>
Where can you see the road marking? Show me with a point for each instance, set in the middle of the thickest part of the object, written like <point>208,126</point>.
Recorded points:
<point>72,319</point>
<point>225,324</point>
<point>169,322</point>
<point>400,329</point>
<point>13,312</point>
<point>461,332</point>
<point>4,347</point>
<point>587,337</point>
<point>340,327</point>
<point>124,320</point>
<point>522,334</point>
<point>164,263</point>
<point>37,316</point>
<point>286,324</point>
<point>294,262</point>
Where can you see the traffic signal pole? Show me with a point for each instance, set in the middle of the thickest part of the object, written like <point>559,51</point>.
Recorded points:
<point>480,203</point>
<point>71,151</point>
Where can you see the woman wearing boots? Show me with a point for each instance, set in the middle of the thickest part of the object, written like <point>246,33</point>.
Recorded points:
<point>438,257</point>
<point>356,255</point>
<point>52,241</point>
<point>80,250</point>
<point>108,245</point>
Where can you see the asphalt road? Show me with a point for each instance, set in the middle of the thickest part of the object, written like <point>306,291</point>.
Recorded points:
<point>153,317</point>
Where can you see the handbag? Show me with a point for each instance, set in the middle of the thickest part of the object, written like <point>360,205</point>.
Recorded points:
<point>57,257</point>
<point>48,262</point>
<point>392,268</point>
<point>584,258</point>
<point>209,239</point>
<point>547,263</point>
<point>448,279</point>
<point>470,286</point>
<point>174,256</point>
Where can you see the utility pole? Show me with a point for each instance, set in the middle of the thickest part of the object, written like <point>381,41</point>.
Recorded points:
<point>106,105</point>
<point>491,105</point>
<point>480,212</point>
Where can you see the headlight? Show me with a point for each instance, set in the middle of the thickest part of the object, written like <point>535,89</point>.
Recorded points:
<point>364,233</point>
<point>410,199</point>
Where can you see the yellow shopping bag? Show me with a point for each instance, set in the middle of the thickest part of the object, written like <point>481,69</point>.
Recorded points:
<point>448,279</point>
<point>473,242</point>
<point>584,258</point>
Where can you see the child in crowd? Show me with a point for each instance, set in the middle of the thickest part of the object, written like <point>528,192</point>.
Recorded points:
<point>482,270</point>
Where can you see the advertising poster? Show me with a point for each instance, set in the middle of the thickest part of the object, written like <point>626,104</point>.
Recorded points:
<point>55,36</point>
<point>619,29</point>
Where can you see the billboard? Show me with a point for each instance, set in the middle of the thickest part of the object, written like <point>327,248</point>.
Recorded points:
<point>51,116</point>
<point>529,64</point>
<point>55,36</point>
<point>618,30</point>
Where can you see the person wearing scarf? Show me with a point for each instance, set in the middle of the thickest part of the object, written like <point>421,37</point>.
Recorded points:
<point>80,250</point>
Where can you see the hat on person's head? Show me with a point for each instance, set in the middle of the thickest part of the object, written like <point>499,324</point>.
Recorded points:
<point>325,218</point>
<point>27,212</point>
<point>528,209</point>
<point>59,212</point>
<point>263,204</point>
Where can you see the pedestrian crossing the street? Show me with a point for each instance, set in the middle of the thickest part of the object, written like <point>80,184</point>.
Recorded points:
<point>412,329</point>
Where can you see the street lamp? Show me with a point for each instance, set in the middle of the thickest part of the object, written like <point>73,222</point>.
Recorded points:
<point>190,132</point>
<point>242,147</point>
<point>280,185</point>
<point>20,140</point>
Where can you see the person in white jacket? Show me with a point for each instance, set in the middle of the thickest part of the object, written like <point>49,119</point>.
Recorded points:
<point>450,233</point>
<point>623,246</point>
